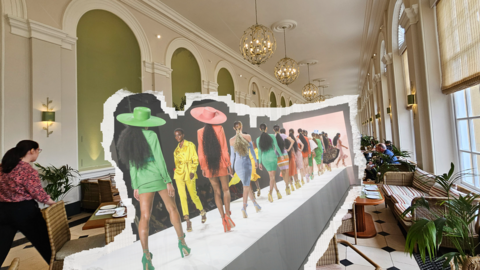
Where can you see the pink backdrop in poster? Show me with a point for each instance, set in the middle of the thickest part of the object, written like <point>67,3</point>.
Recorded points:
<point>331,124</point>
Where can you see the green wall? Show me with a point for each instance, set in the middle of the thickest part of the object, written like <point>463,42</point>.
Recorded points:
<point>290,103</point>
<point>273,100</point>
<point>108,59</point>
<point>186,77</point>
<point>225,83</point>
<point>283,102</point>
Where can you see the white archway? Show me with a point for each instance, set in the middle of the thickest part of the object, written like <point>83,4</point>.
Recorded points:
<point>187,44</point>
<point>77,8</point>
<point>226,65</point>
<point>258,96</point>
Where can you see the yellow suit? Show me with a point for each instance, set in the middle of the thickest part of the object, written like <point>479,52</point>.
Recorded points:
<point>186,162</point>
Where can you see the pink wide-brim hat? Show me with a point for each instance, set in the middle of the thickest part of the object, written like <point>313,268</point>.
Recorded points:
<point>208,115</point>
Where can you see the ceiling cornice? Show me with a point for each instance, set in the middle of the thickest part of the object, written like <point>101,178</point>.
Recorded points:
<point>171,19</point>
<point>371,31</point>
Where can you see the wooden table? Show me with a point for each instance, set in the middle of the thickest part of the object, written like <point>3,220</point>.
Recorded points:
<point>98,221</point>
<point>365,225</point>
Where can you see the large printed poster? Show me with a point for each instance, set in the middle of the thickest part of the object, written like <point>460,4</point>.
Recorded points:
<point>165,185</point>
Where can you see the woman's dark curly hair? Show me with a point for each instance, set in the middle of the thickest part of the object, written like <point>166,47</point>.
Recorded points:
<point>133,148</point>
<point>303,140</point>
<point>13,156</point>
<point>291,133</point>
<point>280,141</point>
<point>265,142</point>
<point>326,141</point>
<point>212,149</point>
<point>335,139</point>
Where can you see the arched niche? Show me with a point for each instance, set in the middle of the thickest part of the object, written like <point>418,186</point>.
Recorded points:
<point>108,59</point>
<point>186,75</point>
<point>273,100</point>
<point>77,8</point>
<point>290,104</point>
<point>283,103</point>
<point>254,90</point>
<point>225,83</point>
<point>186,44</point>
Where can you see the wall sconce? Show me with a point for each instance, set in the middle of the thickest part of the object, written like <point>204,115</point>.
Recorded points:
<point>371,119</point>
<point>389,110</point>
<point>377,116</point>
<point>411,100</point>
<point>48,116</point>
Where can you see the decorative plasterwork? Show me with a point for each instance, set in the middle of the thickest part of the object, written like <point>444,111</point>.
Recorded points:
<point>15,8</point>
<point>248,97</point>
<point>157,68</point>
<point>377,78</point>
<point>409,17</point>
<point>33,29</point>
<point>210,86</point>
<point>77,8</point>
<point>387,59</point>
<point>171,19</point>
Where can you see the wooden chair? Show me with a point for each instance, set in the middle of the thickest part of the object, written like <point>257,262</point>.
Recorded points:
<point>90,194</point>
<point>113,227</point>
<point>60,238</point>
<point>105,190</point>
<point>349,223</point>
<point>330,259</point>
<point>15,265</point>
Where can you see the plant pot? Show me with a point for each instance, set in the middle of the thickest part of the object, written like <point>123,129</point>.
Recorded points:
<point>471,263</point>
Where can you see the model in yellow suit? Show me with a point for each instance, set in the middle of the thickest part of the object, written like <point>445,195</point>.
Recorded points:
<point>186,163</point>
<point>235,179</point>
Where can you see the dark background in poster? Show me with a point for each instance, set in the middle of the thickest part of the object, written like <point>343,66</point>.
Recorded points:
<point>190,126</point>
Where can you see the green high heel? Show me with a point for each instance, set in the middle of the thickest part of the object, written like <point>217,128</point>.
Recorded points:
<point>147,262</point>
<point>184,250</point>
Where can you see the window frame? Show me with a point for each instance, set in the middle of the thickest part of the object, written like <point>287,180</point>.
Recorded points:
<point>471,133</point>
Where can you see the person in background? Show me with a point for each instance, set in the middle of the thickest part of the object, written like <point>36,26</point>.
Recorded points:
<point>292,166</point>
<point>267,157</point>
<point>382,148</point>
<point>20,188</point>
<point>298,158</point>
<point>388,144</point>
<point>318,152</point>
<point>313,146</point>
<point>284,164</point>
<point>185,174</point>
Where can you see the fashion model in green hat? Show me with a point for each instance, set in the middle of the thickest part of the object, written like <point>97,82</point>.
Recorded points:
<point>140,150</point>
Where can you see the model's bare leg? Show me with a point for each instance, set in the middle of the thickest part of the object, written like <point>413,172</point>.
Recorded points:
<point>226,193</point>
<point>172,209</point>
<point>146,202</point>
<point>218,194</point>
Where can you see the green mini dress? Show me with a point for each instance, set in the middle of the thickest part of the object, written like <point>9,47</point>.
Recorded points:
<point>318,152</point>
<point>269,158</point>
<point>154,175</point>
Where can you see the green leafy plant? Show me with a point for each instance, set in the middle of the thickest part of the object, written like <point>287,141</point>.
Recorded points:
<point>59,180</point>
<point>384,167</point>
<point>180,107</point>
<point>453,223</point>
<point>366,141</point>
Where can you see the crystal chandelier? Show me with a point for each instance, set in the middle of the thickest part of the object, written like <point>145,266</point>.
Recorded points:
<point>310,90</point>
<point>258,43</point>
<point>286,70</point>
<point>322,97</point>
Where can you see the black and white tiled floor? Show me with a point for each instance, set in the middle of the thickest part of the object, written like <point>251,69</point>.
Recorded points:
<point>386,249</point>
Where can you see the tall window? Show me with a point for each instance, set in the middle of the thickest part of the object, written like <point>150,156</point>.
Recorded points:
<point>401,31</point>
<point>467,118</point>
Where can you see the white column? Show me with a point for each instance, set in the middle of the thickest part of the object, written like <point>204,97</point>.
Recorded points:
<point>387,59</point>
<point>209,87</point>
<point>161,79</point>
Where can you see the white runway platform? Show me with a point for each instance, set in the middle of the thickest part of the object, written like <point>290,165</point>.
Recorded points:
<point>281,236</point>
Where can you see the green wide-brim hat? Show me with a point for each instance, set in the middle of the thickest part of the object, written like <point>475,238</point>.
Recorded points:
<point>141,117</point>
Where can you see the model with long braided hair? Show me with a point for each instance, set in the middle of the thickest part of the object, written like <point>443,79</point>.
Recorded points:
<point>240,146</point>
<point>291,145</point>
<point>284,162</point>
<point>267,144</point>
<point>214,159</point>
<point>298,158</point>
<point>139,149</point>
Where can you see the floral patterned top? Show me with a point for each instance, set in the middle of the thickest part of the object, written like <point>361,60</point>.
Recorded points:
<point>22,184</point>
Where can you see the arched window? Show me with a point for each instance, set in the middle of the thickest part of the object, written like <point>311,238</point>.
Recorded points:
<point>108,59</point>
<point>401,31</point>
<point>225,83</point>
<point>186,76</point>
<point>283,103</point>
<point>290,103</point>
<point>273,100</point>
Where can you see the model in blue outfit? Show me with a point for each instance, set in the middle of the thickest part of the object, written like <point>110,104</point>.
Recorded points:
<point>240,145</point>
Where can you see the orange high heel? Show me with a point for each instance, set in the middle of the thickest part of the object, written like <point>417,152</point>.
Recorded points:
<point>226,226</point>
<point>230,221</point>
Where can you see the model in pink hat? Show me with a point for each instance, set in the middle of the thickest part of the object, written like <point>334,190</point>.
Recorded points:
<point>214,158</point>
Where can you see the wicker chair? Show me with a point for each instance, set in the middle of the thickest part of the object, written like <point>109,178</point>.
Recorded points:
<point>59,235</point>
<point>15,265</point>
<point>90,194</point>
<point>349,223</point>
<point>330,259</point>
<point>106,194</point>
<point>440,209</point>
<point>113,227</point>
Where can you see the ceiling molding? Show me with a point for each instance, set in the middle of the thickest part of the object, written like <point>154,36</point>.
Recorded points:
<point>171,19</point>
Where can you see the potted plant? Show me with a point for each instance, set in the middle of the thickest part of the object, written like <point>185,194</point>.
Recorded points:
<point>59,180</point>
<point>452,224</point>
